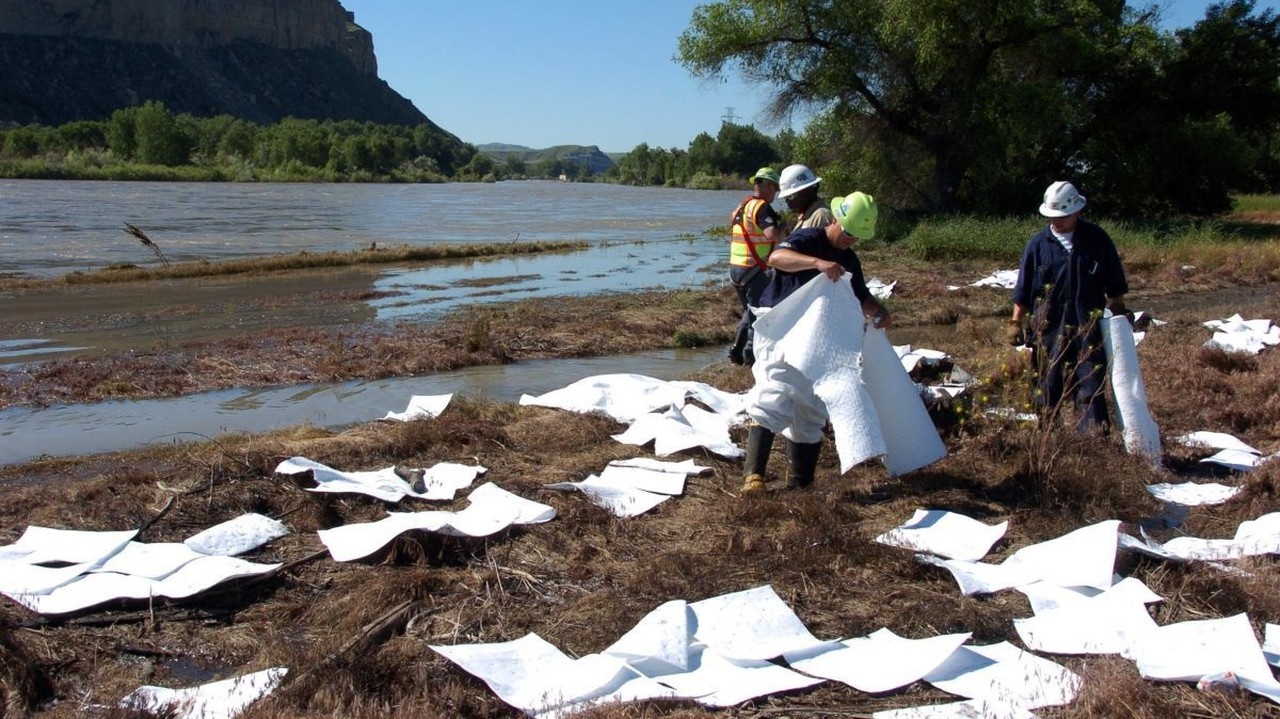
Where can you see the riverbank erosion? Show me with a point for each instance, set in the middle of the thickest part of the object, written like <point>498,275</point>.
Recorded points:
<point>356,635</point>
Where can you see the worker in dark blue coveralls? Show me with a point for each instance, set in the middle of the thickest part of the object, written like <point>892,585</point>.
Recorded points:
<point>1070,273</point>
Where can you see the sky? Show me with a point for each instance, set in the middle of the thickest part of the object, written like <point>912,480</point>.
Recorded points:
<point>572,72</point>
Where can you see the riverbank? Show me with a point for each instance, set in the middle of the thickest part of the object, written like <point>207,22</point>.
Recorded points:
<point>356,635</point>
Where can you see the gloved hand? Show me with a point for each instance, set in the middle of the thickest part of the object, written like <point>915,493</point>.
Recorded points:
<point>1119,310</point>
<point>1014,333</point>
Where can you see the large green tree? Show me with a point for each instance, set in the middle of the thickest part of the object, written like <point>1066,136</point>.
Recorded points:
<point>920,94</point>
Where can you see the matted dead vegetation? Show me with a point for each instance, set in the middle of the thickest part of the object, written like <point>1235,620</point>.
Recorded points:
<point>355,635</point>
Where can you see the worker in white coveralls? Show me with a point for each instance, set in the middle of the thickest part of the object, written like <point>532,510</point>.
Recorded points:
<point>783,400</point>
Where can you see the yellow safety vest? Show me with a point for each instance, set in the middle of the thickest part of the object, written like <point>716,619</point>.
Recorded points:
<point>748,246</point>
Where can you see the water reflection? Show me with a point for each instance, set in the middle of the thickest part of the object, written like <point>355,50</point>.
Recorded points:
<point>67,430</point>
<point>683,263</point>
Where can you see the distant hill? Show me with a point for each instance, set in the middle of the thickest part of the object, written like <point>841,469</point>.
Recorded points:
<point>260,60</point>
<point>588,155</point>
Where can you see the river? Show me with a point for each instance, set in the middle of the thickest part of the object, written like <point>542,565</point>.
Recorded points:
<point>50,228</point>
<point>639,238</point>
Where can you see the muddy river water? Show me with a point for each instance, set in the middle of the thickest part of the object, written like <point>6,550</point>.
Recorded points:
<point>638,238</point>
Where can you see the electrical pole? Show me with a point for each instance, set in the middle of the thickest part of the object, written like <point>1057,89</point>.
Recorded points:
<point>728,116</point>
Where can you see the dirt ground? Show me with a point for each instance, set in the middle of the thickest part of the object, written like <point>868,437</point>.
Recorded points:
<point>356,635</point>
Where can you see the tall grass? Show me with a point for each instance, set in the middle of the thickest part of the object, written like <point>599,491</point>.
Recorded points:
<point>1003,238</point>
<point>1256,203</point>
<point>968,238</point>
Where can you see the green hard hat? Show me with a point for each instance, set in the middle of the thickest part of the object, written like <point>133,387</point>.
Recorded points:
<point>766,173</point>
<point>856,214</point>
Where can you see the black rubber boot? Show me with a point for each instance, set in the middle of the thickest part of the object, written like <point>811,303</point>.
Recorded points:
<point>759,444</point>
<point>802,461</point>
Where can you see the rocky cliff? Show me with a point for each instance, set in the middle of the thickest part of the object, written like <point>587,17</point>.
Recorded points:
<point>257,59</point>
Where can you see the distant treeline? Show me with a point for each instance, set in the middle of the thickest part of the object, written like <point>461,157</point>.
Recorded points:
<point>150,142</point>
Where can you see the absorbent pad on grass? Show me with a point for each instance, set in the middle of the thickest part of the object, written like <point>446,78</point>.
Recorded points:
<point>629,488</point>
<point>1190,651</point>
<point>216,700</point>
<point>442,480</point>
<point>1004,673</point>
<point>881,661</point>
<point>492,510</point>
<point>1192,494</point>
<point>237,536</point>
<point>1084,557</point>
<point>946,534</point>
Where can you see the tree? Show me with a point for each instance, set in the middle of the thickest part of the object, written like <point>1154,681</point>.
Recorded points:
<point>742,149</point>
<point>21,142</point>
<point>932,88</point>
<point>1229,64</point>
<point>77,135</point>
<point>160,141</point>
<point>122,133</point>
<point>704,155</point>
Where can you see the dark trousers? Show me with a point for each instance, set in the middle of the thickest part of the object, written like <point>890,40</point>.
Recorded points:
<point>1073,363</point>
<point>749,283</point>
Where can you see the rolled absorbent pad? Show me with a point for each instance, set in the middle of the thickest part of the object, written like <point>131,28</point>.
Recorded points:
<point>910,438</point>
<point>1141,435</point>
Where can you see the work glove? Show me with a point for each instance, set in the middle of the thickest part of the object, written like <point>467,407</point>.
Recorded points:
<point>1119,310</point>
<point>1014,334</point>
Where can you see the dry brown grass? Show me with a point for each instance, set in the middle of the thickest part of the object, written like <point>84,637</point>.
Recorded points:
<point>583,579</point>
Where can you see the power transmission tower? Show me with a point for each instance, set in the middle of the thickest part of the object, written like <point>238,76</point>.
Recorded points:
<point>728,116</point>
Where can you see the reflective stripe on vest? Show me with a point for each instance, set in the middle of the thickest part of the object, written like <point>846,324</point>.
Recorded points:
<point>748,246</point>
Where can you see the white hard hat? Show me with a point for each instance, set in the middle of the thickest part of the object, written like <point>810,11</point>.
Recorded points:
<point>795,178</point>
<point>1061,199</point>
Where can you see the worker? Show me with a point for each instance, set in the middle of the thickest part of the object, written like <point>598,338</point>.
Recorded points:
<point>782,402</point>
<point>755,230</point>
<point>1070,272</point>
<point>799,189</point>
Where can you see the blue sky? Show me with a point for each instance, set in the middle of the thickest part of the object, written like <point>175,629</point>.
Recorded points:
<point>569,72</point>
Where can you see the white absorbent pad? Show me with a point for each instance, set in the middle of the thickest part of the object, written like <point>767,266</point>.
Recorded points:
<point>188,580</point>
<point>818,331</point>
<point>534,676</point>
<point>1067,621</point>
<point>1084,557</point>
<point>911,441</point>
<point>880,662</point>
<point>492,510</point>
<point>1190,651</point>
<point>754,624</point>
<point>216,700</point>
<point>946,534</point>
<point>1141,435</point>
<point>627,397</point>
<point>1192,494</point>
<point>679,428</point>
<point>628,488</point>
<point>237,536</point>
<point>1236,334</point>
<point>441,480</point>
<point>1005,673</point>
<point>422,406</point>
